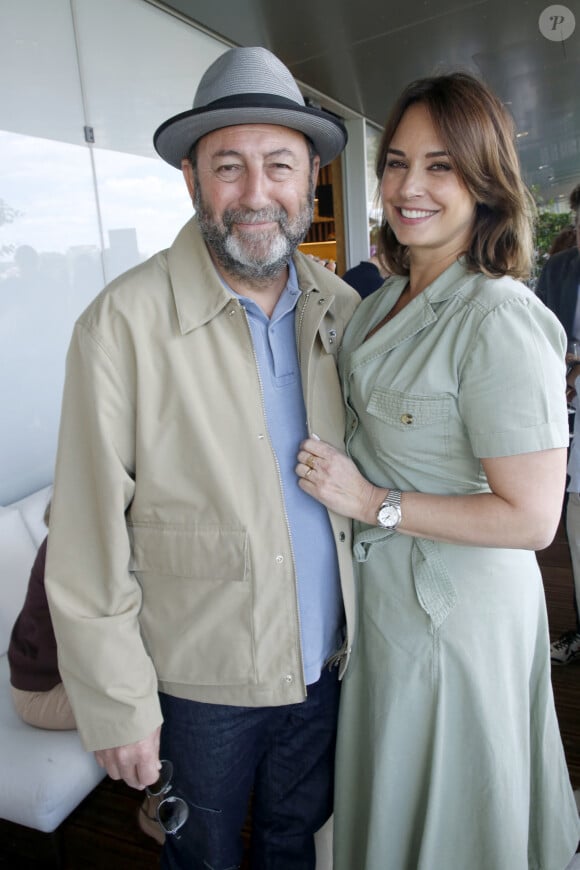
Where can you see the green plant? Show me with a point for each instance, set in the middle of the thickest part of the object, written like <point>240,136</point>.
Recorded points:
<point>548,224</point>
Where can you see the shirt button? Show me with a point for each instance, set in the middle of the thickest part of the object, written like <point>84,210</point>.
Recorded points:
<point>407,419</point>
<point>289,679</point>
<point>342,537</point>
<point>279,559</point>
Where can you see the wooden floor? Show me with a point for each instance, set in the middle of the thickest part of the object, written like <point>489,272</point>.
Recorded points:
<point>102,833</point>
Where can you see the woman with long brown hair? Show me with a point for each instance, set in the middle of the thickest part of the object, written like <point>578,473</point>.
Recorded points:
<point>449,753</point>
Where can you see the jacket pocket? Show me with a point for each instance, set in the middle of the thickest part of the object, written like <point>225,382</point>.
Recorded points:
<point>196,616</point>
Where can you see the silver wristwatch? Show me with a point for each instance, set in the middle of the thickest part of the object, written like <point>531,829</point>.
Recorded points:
<point>389,515</point>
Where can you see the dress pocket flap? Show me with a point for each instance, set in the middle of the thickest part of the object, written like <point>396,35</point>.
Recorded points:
<point>405,410</point>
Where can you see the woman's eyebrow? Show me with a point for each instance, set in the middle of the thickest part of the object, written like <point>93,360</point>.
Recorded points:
<point>429,154</point>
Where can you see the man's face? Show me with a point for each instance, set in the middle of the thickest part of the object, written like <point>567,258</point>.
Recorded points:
<point>253,192</point>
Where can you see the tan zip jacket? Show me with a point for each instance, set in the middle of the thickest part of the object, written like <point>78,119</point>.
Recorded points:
<point>169,561</point>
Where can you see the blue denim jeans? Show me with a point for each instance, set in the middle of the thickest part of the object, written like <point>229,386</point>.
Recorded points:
<point>282,756</point>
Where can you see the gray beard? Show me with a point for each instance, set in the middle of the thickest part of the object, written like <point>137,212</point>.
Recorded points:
<point>263,255</point>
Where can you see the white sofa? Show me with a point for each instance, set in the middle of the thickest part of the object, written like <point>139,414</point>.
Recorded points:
<point>44,775</point>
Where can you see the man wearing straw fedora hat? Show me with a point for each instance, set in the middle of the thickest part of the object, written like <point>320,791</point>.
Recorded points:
<point>191,580</point>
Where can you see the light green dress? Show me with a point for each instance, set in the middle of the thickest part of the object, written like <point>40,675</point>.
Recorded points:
<point>449,753</point>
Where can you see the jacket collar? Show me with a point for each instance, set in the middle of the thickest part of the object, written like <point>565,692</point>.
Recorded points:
<point>200,295</point>
<point>197,290</point>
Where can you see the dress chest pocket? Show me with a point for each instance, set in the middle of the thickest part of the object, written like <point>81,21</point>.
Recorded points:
<point>399,421</point>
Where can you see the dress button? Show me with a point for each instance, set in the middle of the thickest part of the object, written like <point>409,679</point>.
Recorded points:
<point>279,559</point>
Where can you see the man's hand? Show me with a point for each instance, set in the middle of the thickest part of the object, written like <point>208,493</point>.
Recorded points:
<point>136,763</point>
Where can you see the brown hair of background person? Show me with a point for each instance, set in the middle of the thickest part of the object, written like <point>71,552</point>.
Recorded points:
<point>563,240</point>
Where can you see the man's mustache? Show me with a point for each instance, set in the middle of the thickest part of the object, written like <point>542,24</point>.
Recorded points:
<point>272,214</point>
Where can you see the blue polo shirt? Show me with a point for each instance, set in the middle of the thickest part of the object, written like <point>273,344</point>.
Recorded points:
<point>319,596</point>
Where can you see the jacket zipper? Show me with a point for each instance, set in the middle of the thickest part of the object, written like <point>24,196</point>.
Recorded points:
<point>287,521</point>
<point>304,303</point>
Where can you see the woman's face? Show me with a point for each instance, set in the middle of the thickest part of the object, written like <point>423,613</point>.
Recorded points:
<point>424,201</point>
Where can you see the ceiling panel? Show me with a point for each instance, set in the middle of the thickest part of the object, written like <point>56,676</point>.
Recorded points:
<point>360,53</point>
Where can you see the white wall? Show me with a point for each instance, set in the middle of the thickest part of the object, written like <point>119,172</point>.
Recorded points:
<point>74,215</point>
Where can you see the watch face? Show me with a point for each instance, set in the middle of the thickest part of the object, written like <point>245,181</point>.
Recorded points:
<point>389,516</point>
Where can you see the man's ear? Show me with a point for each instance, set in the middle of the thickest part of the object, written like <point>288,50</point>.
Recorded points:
<point>187,170</point>
<point>315,169</point>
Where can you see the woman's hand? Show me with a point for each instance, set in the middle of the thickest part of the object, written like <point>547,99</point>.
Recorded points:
<point>329,476</point>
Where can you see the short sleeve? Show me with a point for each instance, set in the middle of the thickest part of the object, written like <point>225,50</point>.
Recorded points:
<point>512,386</point>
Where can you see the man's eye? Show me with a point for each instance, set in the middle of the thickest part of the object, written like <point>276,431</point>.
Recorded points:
<point>229,171</point>
<point>279,170</point>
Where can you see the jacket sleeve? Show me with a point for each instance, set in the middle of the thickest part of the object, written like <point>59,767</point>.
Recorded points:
<point>93,596</point>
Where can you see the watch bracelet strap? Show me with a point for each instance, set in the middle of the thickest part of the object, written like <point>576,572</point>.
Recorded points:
<point>394,497</point>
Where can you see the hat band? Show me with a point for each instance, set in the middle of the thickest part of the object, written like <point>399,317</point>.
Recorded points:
<point>252,100</point>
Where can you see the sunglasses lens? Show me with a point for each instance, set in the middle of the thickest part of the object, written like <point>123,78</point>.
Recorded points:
<point>172,814</point>
<point>163,780</point>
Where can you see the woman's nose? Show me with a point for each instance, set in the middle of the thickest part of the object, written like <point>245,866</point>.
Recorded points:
<point>412,183</point>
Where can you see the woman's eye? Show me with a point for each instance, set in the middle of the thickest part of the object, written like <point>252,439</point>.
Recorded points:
<point>395,164</point>
<point>441,167</point>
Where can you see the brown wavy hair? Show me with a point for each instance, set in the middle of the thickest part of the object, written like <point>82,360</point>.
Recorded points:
<point>479,136</point>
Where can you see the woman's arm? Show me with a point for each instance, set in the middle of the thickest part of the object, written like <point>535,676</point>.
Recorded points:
<point>522,510</point>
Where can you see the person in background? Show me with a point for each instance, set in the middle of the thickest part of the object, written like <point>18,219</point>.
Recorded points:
<point>367,277</point>
<point>449,753</point>
<point>566,649</point>
<point>559,288</point>
<point>559,281</point>
<point>38,693</point>
<point>563,241</point>
<point>191,581</point>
